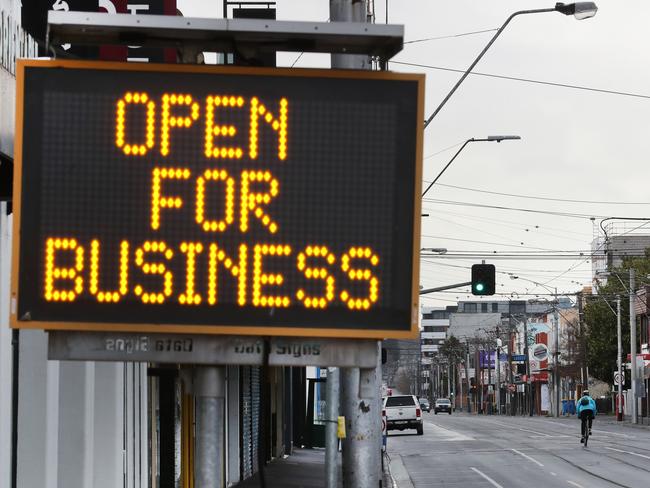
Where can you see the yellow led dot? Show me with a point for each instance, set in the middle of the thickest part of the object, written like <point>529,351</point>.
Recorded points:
<point>322,303</point>
<point>300,294</point>
<point>308,302</point>
<point>345,295</point>
<point>286,302</point>
<point>331,259</point>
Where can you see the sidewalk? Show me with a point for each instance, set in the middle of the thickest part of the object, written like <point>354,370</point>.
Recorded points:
<point>305,468</point>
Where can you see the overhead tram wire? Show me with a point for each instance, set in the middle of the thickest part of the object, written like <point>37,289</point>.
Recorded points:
<point>516,225</point>
<point>505,270</point>
<point>528,80</point>
<point>564,200</point>
<point>451,36</point>
<point>519,228</point>
<point>527,210</point>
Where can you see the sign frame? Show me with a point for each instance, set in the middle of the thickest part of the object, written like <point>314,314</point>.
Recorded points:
<point>228,329</point>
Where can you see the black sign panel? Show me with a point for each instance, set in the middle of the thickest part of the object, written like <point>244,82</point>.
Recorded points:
<point>218,200</point>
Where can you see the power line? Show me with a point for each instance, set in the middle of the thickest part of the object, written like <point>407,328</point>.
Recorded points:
<point>528,80</point>
<point>527,210</point>
<point>486,242</point>
<point>519,228</point>
<point>542,198</point>
<point>450,36</point>
<point>443,150</point>
<point>517,225</point>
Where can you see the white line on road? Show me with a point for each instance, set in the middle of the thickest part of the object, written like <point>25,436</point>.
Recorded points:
<point>523,430</point>
<point>494,483</point>
<point>527,457</point>
<point>554,474</point>
<point>575,484</point>
<point>558,423</point>
<point>628,452</point>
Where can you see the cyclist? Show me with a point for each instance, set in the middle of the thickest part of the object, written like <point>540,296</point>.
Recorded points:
<point>586,410</point>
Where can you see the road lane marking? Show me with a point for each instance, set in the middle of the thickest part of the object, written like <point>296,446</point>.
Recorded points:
<point>523,430</point>
<point>494,483</point>
<point>446,435</point>
<point>559,423</point>
<point>575,484</point>
<point>527,457</point>
<point>554,474</point>
<point>628,452</point>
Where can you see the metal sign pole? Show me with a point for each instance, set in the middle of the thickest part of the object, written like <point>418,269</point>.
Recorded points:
<point>209,391</point>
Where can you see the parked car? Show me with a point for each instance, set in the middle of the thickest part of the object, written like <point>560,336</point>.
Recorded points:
<point>403,412</point>
<point>424,403</point>
<point>442,405</point>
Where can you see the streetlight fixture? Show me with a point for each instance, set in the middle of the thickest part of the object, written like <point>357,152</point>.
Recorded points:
<point>486,139</point>
<point>580,10</point>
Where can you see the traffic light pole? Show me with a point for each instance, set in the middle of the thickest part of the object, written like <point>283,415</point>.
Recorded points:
<point>442,288</point>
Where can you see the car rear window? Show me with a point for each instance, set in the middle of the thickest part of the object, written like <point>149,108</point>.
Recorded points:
<point>442,402</point>
<point>400,401</point>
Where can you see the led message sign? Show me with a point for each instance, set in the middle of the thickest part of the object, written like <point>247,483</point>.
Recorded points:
<point>217,200</point>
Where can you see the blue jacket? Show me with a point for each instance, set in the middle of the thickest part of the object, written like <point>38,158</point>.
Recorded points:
<point>590,406</point>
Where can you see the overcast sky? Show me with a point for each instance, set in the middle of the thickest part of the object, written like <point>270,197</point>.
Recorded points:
<point>577,144</point>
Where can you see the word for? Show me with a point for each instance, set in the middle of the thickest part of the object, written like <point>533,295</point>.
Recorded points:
<point>251,202</point>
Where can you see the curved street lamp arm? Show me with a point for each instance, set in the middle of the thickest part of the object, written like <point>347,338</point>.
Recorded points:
<point>467,72</point>
<point>448,164</point>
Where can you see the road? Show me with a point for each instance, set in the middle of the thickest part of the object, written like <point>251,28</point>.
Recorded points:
<point>466,451</point>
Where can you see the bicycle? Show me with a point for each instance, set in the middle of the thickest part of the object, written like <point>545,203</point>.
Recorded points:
<point>586,418</point>
<point>584,428</point>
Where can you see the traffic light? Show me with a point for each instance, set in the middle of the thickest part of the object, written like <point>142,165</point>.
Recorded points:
<point>483,279</point>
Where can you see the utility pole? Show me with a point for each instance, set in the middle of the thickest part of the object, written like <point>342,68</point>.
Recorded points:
<point>529,384</point>
<point>331,441</point>
<point>489,366</point>
<point>360,396</point>
<point>556,376</point>
<point>460,385</point>
<point>633,346</point>
<point>619,360</point>
<point>583,342</point>
<point>210,393</point>
<point>510,374</point>
<point>498,366</point>
<point>469,405</point>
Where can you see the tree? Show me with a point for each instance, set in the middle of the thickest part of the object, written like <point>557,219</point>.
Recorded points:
<point>602,345</point>
<point>452,349</point>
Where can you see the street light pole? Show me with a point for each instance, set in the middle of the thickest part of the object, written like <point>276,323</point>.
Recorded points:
<point>581,10</point>
<point>619,360</point>
<point>633,346</point>
<point>556,371</point>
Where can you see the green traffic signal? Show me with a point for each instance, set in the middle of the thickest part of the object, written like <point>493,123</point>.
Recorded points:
<point>483,279</point>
